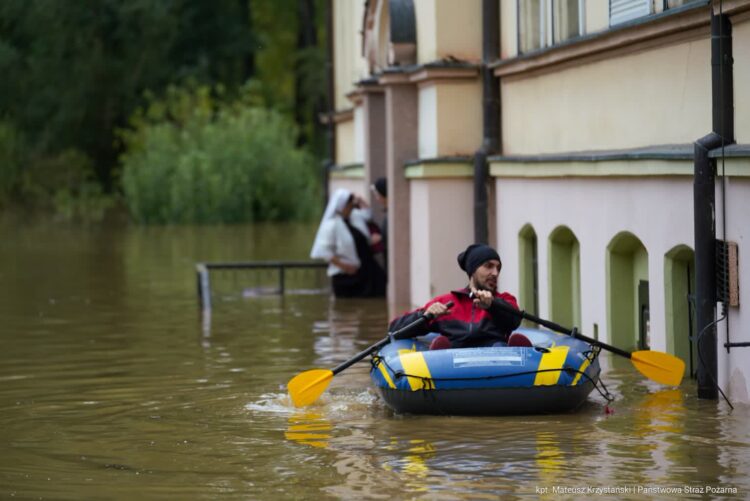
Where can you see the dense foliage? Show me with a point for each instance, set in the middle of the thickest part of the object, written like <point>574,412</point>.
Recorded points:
<point>74,73</point>
<point>195,158</point>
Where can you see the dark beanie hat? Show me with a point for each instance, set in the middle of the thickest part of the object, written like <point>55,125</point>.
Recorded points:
<point>475,256</point>
<point>381,186</point>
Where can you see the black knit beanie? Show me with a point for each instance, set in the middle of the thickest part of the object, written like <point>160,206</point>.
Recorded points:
<point>475,256</point>
<point>381,186</point>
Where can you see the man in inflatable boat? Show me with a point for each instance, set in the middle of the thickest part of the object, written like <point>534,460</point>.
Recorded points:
<point>475,319</point>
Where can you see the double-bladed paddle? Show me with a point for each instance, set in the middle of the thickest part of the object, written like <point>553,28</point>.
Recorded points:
<point>306,387</point>
<point>655,365</point>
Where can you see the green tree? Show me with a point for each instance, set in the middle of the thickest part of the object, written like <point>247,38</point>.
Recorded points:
<point>81,68</point>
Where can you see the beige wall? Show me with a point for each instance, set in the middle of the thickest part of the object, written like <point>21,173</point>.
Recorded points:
<point>345,143</point>
<point>460,118</point>
<point>424,10</point>
<point>661,96</point>
<point>741,48</point>
<point>450,118</point>
<point>353,184</point>
<point>437,35</point>
<point>349,66</point>
<point>428,121</point>
<point>359,134</point>
<point>441,227</point>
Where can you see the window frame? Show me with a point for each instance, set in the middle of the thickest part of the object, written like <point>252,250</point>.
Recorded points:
<point>547,24</point>
<point>649,4</point>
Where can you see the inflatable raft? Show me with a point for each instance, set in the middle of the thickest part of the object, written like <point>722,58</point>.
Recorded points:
<point>538,372</point>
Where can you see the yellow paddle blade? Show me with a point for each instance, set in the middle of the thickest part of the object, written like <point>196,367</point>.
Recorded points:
<point>660,367</point>
<point>306,387</point>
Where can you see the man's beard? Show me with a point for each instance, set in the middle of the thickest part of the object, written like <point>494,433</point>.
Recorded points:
<point>484,286</point>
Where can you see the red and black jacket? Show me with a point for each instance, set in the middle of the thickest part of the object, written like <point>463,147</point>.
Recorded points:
<point>466,325</point>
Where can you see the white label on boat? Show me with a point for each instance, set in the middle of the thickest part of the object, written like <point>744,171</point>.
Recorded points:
<point>483,357</point>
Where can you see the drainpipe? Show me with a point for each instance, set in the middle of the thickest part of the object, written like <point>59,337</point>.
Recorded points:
<point>704,200</point>
<point>331,91</point>
<point>490,116</point>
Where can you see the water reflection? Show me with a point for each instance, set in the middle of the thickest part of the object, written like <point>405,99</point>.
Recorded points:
<point>309,428</point>
<point>412,464</point>
<point>549,457</point>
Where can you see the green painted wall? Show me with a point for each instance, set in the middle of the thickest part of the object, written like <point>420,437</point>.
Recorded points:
<point>627,264</point>
<point>528,281</point>
<point>564,277</point>
<point>678,264</point>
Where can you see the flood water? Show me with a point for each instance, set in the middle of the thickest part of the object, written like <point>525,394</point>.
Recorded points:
<point>113,386</point>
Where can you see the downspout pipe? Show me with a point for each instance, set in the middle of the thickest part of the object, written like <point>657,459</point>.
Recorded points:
<point>330,161</point>
<point>490,117</point>
<point>704,202</point>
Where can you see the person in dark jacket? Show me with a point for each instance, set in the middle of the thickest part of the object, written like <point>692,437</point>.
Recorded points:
<point>474,319</point>
<point>380,192</point>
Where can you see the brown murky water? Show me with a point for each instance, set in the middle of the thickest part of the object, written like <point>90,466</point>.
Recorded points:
<point>113,387</point>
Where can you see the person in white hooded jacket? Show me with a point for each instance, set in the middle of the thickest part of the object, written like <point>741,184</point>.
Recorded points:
<point>343,240</point>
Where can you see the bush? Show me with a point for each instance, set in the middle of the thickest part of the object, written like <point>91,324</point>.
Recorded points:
<point>64,185</point>
<point>196,158</point>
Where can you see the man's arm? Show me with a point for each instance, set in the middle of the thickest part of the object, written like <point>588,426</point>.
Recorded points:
<point>505,320</point>
<point>435,307</point>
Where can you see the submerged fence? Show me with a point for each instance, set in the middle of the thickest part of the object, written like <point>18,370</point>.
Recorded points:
<point>259,278</point>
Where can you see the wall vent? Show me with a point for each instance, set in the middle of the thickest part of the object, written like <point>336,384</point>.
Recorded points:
<point>727,273</point>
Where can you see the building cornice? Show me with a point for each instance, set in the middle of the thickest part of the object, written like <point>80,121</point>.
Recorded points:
<point>356,96</point>
<point>666,160</point>
<point>441,70</point>
<point>440,167</point>
<point>731,151</point>
<point>343,115</point>
<point>393,78</point>
<point>731,7</point>
<point>660,152</point>
<point>348,171</point>
<point>432,75</point>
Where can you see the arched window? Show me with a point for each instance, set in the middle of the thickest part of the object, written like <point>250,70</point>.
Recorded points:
<point>564,277</point>
<point>627,292</point>
<point>389,34</point>
<point>679,290</point>
<point>528,293</point>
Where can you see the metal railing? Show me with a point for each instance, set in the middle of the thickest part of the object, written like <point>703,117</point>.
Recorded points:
<point>204,279</point>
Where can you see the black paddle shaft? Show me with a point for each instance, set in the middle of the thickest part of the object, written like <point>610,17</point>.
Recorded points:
<point>559,328</point>
<point>402,333</point>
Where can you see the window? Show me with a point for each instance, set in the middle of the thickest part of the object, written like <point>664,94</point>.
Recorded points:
<point>542,23</point>
<point>567,19</point>
<point>530,25</point>
<point>622,11</point>
<point>671,4</point>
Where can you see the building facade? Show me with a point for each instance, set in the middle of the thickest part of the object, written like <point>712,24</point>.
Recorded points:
<point>591,186</point>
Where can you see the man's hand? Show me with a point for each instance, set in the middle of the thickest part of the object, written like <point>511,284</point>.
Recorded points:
<point>436,309</point>
<point>482,299</point>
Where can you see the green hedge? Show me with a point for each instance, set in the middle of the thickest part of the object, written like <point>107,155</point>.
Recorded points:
<point>196,158</point>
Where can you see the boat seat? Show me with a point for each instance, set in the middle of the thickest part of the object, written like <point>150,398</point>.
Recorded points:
<point>518,339</point>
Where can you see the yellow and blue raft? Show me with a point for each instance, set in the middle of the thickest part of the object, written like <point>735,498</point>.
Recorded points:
<point>539,372</point>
